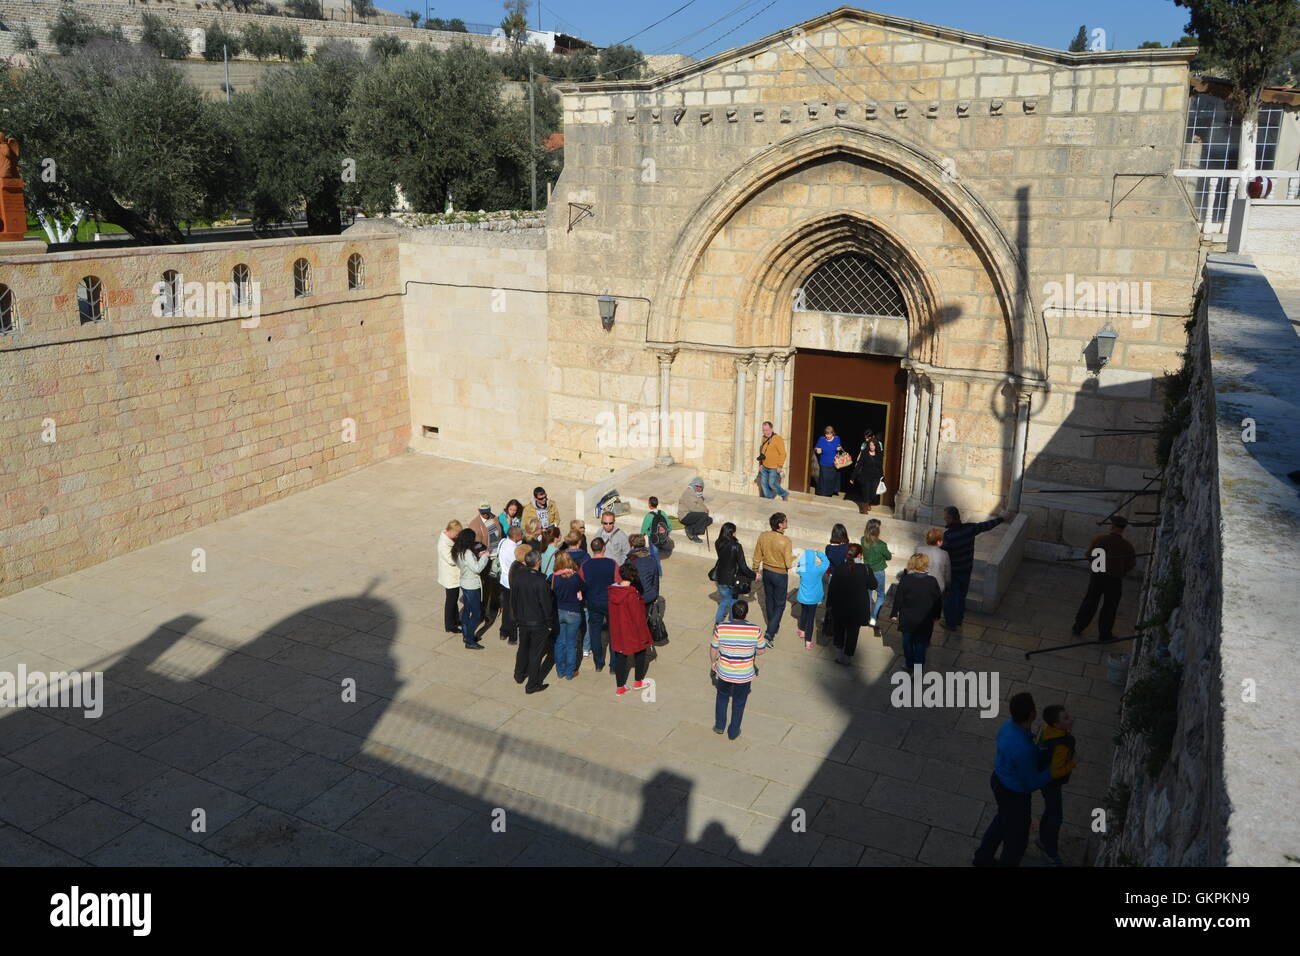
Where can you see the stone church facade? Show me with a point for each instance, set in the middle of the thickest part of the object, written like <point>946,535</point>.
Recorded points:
<point>1009,200</point>
<point>862,221</point>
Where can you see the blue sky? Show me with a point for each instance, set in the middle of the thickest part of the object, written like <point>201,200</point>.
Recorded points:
<point>1046,22</point>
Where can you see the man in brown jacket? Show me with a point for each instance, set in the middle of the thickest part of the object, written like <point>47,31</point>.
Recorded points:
<point>1111,557</point>
<point>771,459</point>
<point>542,508</point>
<point>774,556</point>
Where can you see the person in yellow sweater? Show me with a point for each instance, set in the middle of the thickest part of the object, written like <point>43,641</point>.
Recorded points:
<point>771,459</point>
<point>773,557</point>
<point>1055,750</point>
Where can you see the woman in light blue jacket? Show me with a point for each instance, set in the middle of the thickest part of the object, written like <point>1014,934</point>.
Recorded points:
<point>471,566</point>
<point>811,568</point>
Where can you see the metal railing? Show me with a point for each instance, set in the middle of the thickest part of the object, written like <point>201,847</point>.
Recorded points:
<point>1215,189</point>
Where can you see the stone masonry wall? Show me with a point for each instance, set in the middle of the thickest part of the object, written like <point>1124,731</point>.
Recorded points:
<point>118,434</point>
<point>476,345</point>
<point>1038,136</point>
<point>1179,816</point>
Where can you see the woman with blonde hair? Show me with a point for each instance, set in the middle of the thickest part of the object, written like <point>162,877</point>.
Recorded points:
<point>533,534</point>
<point>566,584</point>
<point>578,525</point>
<point>449,576</point>
<point>918,603</point>
<point>875,555</point>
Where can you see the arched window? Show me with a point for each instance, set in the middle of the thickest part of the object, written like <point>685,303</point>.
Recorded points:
<point>8,311</point>
<point>356,271</point>
<point>301,278</point>
<point>90,299</point>
<point>851,284</point>
<point>172,293</point>
<point>241,280</point>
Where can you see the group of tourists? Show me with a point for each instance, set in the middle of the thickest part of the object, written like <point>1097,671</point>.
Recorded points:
<point>554,590</point>
<point>557,592</point>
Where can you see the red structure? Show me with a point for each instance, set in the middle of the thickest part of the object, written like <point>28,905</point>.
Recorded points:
<point>13,211</point>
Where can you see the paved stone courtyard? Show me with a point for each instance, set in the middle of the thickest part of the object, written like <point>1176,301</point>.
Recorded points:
<point>223,693</point>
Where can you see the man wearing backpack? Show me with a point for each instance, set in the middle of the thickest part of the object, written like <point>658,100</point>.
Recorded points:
<point>1055,752</point>
<point>655,528</point>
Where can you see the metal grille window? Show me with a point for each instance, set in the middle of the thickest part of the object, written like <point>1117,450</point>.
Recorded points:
<point>301,278</point>
<point>1213,141</point>
<point>90,299</point>
<point>171,290</point>
<point>8,314</point>
<point>851,284</point>
<point>240,277</point>
<point>356,271</point>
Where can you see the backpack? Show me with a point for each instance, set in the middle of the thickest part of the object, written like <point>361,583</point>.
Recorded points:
<point>659,530</point>
<point>1047,747</point>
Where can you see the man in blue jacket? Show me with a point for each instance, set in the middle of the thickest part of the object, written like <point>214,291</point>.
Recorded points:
<point>959,542</point>
<point>1015,778</point>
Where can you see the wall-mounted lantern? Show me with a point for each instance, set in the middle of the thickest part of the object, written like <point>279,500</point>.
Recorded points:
<point>608,304</point>
<point>1099,351</point>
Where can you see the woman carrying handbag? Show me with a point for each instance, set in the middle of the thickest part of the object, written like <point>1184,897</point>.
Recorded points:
<point>732,573</point>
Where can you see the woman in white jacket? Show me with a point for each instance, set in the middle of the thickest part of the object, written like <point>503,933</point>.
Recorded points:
<point>449,575</point>
<point>471,560</point>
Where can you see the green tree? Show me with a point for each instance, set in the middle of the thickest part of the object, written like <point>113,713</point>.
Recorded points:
<point>413,16</point>
<point>386,45</point>
<point>133,142</point>
<point>515,23</point>
<point>296,139</point>
<point>362,9</point>
<point>72,29</point>
<point>305,9</point>
<point>1080,42</point>
<point>1151,45</point>
<point>169,40</point>
<point>24,38</point>
<point>286,43</point>
<point>255,41</point>
<point>215,37</point>
<point>620,62</point>
<point>433,122</point>
<point>1252,39</point>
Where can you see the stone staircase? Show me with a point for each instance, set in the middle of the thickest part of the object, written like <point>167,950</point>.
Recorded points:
<point>997,552</point>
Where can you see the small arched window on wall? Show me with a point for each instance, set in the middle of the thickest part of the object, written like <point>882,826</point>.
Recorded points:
<point>356,271</point>
<point>241,281</point>
<point>8,311</point>
<point>90,300</point>
<point>171,292</point>
<point>301,278</point>
<point>851,284</point>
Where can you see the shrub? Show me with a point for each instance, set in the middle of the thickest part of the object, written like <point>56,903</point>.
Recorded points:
<point>1151,711</point>
<point>169,40</point>
<point>305,9</point>
<point>215,36</point>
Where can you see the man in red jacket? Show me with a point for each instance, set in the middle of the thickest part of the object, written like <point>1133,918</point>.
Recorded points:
<point>1111,557</point>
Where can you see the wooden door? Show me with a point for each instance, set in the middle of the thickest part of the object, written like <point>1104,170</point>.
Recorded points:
<point>853,389</point>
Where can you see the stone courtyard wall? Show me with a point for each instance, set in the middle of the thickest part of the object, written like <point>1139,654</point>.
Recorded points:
<point>476,340</point>
<point>1067,153</point>
<point>1218,610</point>
<point>129,431</point>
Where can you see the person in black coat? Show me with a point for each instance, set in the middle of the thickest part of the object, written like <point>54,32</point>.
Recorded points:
<point>868,470</point>
<point>732,573</point>
<point>849,600</point>
<point>918,602</point>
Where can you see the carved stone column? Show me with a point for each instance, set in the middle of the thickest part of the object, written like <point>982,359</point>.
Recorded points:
<point>932,454</point>
<point>665,357</point>
<point>904,504</point>
<point>1023,398</point>
<point>920,442</point>
<point>738,436</point>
